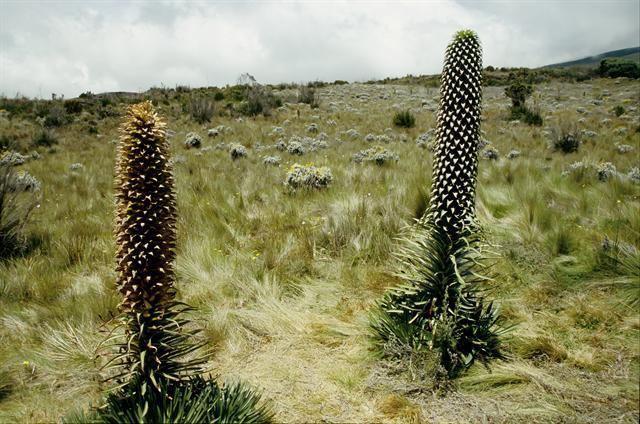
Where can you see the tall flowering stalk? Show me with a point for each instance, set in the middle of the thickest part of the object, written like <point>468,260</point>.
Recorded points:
<point>146,240</point>
<point>159,379</point>
<point>439,306</point>
<point>455,166</point>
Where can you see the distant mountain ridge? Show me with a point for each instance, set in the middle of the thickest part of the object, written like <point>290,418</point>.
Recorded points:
<point>632,53</point>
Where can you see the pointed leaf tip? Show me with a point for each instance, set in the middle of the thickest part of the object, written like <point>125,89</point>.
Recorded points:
<point>465,34</point>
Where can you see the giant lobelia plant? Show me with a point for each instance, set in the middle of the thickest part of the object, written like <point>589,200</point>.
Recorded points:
<point>439,305</point>
<point>160,376</point>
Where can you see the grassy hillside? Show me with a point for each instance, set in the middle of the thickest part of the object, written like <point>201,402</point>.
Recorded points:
<point>632,53</point>
<point>282,281</point>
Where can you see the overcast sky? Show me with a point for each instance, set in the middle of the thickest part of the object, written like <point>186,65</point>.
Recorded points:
<point>68,47</point>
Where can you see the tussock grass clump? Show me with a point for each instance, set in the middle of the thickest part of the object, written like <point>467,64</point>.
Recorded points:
<point>404,119</point>
<point>19,195</point>
<point>623,260</point>
<point>6,384</point>
<point>565,137</point>
<point>527,115</point>
<point>618,110</point>
<point>541,347</point>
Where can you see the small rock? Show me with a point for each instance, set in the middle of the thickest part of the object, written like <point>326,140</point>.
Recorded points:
<point>13,159</point>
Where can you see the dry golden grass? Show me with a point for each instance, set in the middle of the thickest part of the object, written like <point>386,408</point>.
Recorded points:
<point>282,282</point>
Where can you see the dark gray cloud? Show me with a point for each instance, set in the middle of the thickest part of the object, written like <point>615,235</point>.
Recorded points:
<point>72,46</point>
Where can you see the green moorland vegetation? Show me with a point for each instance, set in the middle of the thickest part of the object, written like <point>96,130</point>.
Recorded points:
<point>290,208</point>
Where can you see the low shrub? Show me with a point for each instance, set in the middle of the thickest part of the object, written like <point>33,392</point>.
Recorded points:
<point>45,137</point>
<point>490,153</point>
<point>518,92</point>
<point>12,159</point>
<point>426,140</point>
<point>578,171</point>
<point>73,106</point>
<point>192,140</point>
<point>202,109</point>
<point>296,148</point>
<point>378,155</point>
<point>24,182</point>
<point>271,160</point>
<point>18,198</point>
<point>308,177</point>
<point>616,67</point>
<point>7,143</point>
<point>237,151</point>
<point>257,99</point>
<point>606,171</point>
<point>56,116</point>
<point>307,94</point>
<point>634,175</point>
<point>619,110</point>
<point>565,137</point>
<point>528,116</point>
<point>624,148</point>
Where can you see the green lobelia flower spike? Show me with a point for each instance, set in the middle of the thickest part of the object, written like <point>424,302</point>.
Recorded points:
<point>439,307</point>
<point>455,166</point>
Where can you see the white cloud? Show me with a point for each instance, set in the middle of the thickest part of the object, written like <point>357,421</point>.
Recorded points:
<point>71,47</point>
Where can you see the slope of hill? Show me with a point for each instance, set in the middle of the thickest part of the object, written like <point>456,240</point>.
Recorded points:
<point>632,53</point>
